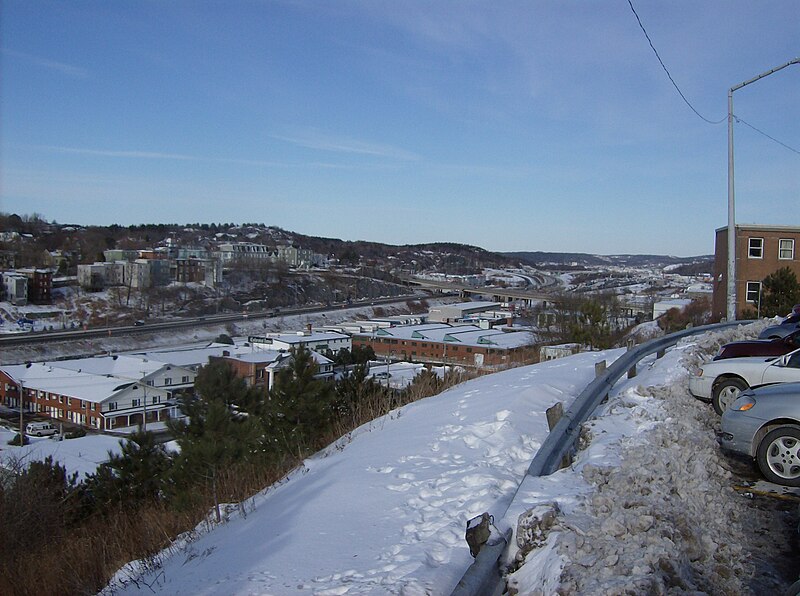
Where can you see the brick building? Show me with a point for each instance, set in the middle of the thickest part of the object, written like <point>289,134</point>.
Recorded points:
<point>760,251</point>
<point>441,343</point>
<point>40,285</point>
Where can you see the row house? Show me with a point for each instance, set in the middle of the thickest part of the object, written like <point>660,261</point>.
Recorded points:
<point>104,392</point>
<point>84,399</point>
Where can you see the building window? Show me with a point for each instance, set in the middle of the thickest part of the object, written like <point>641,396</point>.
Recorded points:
<point>755,248</point>
<point>786,249</point>
<point>134,403</point>
<point>112,405</point>
<point>186,379</point>
<point>167,381</point>
<point>753,291</point>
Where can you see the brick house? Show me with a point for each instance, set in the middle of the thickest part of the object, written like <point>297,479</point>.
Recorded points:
<point>259,367</point>
<point>760,251</point>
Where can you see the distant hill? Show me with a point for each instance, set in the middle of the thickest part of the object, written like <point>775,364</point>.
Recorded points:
<point>555,260</point>
<point>85,244</point>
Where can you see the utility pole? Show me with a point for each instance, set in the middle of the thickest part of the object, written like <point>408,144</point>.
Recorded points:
<point>21,420</point>
<point>144,402</point>
<point>731,310</point>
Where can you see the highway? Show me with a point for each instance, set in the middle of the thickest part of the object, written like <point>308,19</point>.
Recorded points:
<point>34,337</point>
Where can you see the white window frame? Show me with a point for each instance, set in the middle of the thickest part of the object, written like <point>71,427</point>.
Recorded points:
<point>752,286</point>
<point>789,249</point>
<point>755,245</point>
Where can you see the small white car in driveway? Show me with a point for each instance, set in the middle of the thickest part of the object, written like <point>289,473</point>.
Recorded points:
<point>721,381</point>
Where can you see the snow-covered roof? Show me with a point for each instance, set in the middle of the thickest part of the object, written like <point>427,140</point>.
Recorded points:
<point>194,357</point>
<point>306,337</point>
<point>121,366</point>
<point>413,331</point>
<point>63,381</point>
<point>477,304</point>
<point>259,355</point>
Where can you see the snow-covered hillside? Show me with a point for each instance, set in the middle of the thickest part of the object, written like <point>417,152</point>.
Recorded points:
<point>648,506</point>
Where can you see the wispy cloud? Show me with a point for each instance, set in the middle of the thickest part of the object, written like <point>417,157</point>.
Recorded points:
<point>156,155</point>
<point>69,70</point>
<point>112,153</point>
<point>317,140</point>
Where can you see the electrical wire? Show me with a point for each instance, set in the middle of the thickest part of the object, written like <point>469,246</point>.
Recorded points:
<point>761,132</point>
<point>674,84</point>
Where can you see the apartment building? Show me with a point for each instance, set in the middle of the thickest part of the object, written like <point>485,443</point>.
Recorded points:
<point>760,251</point>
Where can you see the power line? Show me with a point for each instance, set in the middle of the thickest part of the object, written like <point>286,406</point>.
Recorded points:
<point>761,132</point>
<point>674,84</point>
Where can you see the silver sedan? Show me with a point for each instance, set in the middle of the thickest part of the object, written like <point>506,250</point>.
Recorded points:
<point>764,424</point>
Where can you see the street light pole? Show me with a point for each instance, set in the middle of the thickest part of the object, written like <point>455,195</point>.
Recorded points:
<point>731,311</point>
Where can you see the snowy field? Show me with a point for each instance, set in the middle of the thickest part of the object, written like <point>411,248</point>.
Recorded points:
<point>81,456</point>
<point>647,507</point>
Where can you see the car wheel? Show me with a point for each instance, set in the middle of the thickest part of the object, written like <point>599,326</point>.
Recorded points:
<point>725,393</point>
<point>778,456</point>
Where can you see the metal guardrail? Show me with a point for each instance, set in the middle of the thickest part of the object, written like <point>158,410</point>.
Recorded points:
<point>483,577</point>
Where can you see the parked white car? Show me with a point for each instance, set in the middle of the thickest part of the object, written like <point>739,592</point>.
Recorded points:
<point>721,381</point>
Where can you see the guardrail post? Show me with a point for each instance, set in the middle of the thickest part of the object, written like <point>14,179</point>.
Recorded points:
<point>632,369</point>
<point>599,368</point>
<point>554,414</point>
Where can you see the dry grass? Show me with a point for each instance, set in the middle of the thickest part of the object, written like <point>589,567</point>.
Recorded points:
<point>80,559</point>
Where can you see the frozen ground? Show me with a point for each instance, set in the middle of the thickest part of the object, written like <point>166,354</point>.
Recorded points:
<point>647,507</point>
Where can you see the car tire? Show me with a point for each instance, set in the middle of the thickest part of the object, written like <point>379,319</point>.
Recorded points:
<point>778,456</point>
<point>725,393</point>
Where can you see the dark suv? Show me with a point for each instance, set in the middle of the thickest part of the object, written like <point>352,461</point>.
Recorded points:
<point>760,347</point>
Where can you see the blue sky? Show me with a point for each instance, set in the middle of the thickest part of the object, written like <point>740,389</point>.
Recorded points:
<point>522,125</point>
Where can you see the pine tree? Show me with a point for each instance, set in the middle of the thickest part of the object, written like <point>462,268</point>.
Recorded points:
<point>223,430</point>
<point>300,405</point>
<point>780,292</point>
<point>135,476</point>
